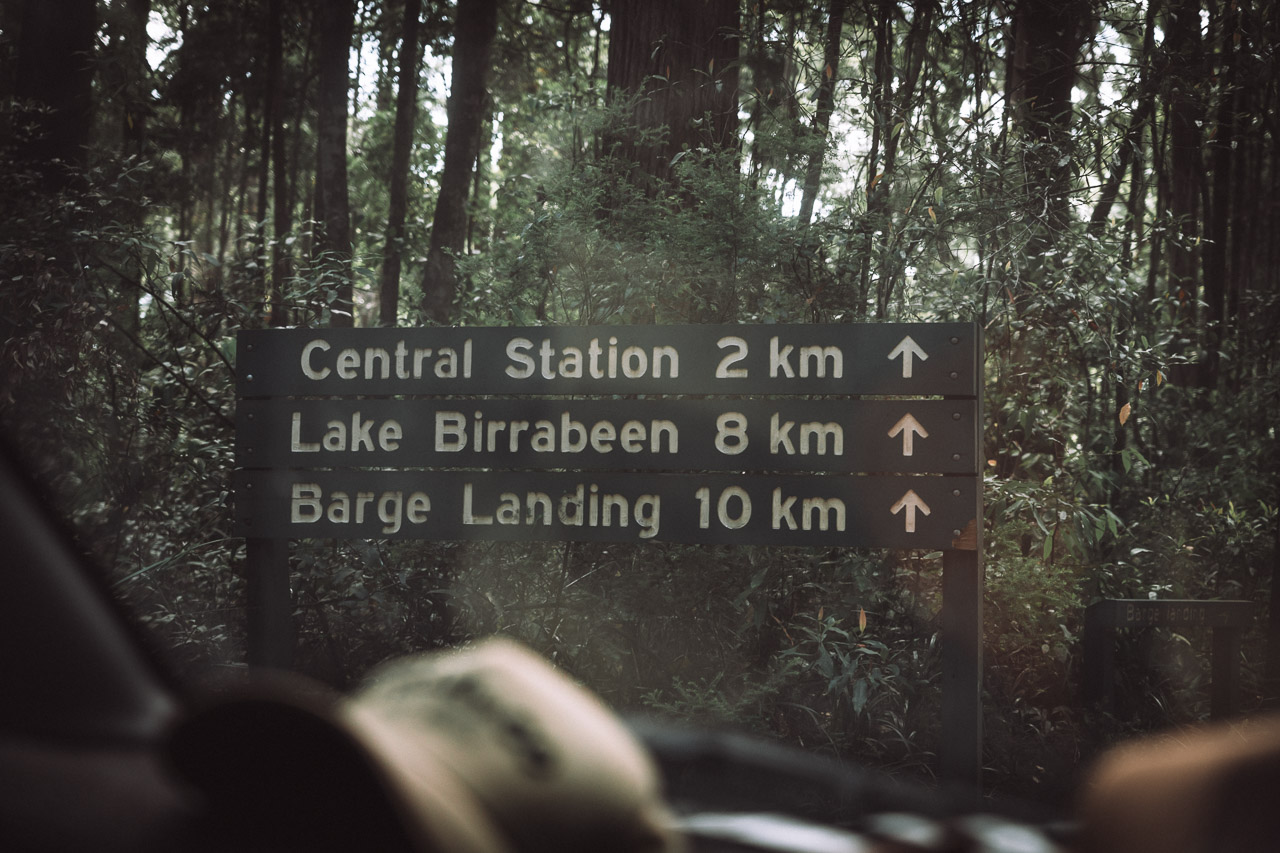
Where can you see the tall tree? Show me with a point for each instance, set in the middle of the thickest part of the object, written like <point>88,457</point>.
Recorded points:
<point>55,72</point>
<point>125,79</point>
<point>474,31</point>
<point>273,120</point>
<point>124,72</point>
<point>333,241</point>
<point>678,61</point>
<point>1219,273</point>
<point>892,95</point>
<point>402,146</point>
<point>825,107</point>
<point>1186,115</point>
<point>1044,56</point>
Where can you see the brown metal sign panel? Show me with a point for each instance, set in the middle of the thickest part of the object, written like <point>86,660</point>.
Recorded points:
<point>838,435</point>
<point>889,359</point>
<point>835,510</point>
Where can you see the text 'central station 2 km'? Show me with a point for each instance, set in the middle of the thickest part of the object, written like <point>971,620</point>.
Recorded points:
<point>857,435</point>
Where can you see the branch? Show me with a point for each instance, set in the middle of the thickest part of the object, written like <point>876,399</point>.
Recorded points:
<point>181,319</point>
<point>182,380</point>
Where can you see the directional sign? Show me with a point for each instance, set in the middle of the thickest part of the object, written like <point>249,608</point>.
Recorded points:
<point>911,503</point>
<point>908,436</point>
<point>909,427</point>
<point>424,408</point>
<point>898,359</point>
<point>685,434</point>
<point>866,511</point>
<point>908,350</point>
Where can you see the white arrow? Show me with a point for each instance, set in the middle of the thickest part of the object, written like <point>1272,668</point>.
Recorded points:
<point>908,426</point>
<point>911,501</point>
<point>907,348</point>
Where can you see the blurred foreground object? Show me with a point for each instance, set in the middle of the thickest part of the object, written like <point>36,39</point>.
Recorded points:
<point>1209,791</point>
<point>483,750</point>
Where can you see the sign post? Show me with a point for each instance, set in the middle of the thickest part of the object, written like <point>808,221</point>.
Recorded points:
<point>270,609</point>
<point>813,435</point>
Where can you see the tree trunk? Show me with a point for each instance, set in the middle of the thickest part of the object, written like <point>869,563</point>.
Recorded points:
<point>1042,70</point>
<point>476,26</point>
<point>1130,153</point>
<point>477,211</point>
<point>126,74</point>
<point>230,176</point>
<point>261,256</point>
<point>282,219</point>
<point>891,108</point>
<point>55,71</point>
<point>825,107</point>
<point>135,82</point>
<point>1218,271</point>
<point>402,147</point>
<point>1182,43</point>
<point>384,85</point>
<point>300,172</point>
<point>333,238</point>
<point>679,60</point>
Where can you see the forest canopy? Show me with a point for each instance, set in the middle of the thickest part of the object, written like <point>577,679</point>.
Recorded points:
<point>1094,183</point>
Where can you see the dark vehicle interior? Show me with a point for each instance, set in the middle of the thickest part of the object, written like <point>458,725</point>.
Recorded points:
<point>87,752</point>
<point>83,707</point>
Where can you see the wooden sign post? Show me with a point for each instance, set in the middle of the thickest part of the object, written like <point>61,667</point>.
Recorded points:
<point>814,435</point>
